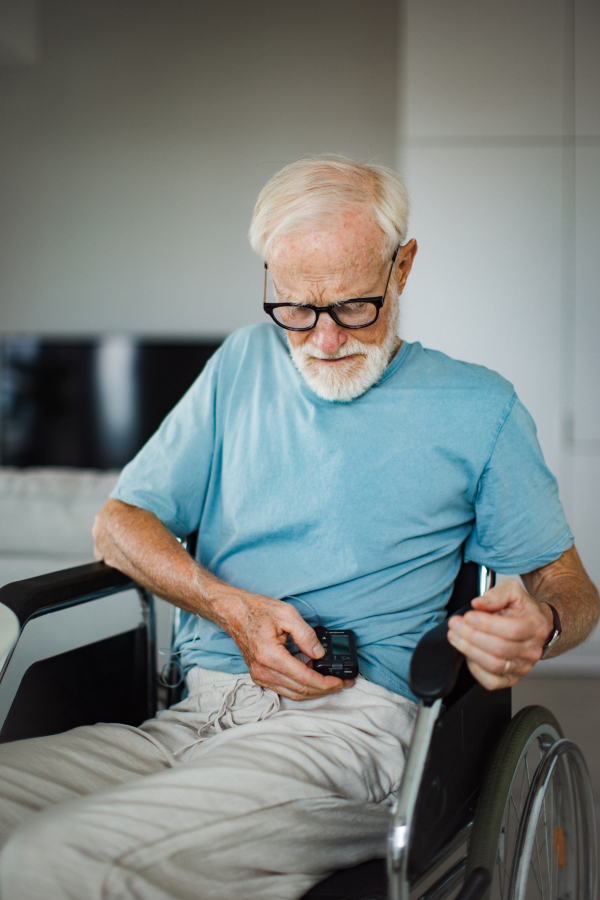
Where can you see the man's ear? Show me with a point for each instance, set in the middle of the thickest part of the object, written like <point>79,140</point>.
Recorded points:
<point>404,261</point>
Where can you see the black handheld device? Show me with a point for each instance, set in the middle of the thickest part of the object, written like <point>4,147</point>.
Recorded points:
<point>340,657</point>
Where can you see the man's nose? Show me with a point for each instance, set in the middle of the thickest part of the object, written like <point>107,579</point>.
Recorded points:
<point>327,335</point>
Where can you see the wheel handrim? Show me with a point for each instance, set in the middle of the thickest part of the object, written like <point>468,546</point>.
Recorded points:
<point>560,815</point>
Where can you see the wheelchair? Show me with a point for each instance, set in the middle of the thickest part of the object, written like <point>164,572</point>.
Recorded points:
<point>491,807</point>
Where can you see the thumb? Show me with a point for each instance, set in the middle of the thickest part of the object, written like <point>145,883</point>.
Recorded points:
<point>496,598</point>
<point>306,640</point>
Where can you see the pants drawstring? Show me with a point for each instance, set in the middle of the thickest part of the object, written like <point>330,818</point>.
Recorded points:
<point>253,705</point>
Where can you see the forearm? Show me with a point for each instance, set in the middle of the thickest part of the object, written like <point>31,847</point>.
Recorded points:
<point>137,543</point>
<point>566,585</point>
<point>134,541</point>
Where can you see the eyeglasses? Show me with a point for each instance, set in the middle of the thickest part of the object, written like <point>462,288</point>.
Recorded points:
<point>359,313</point>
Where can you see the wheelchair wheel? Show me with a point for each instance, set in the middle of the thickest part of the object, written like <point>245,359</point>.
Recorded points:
<point>536,832</point>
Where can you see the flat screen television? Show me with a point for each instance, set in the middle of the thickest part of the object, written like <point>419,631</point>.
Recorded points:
<point>90,402</point>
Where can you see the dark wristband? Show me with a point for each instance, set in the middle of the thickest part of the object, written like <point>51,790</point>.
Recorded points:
<point>555,633</point>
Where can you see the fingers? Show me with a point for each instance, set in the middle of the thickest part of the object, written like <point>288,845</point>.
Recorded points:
<point>503,645</point>
<point>260,628</point>
<point>295,691</point>
<point>491,653</point>
<point>277,669</point>
<point>505,612</point>
<point>529,625</point>
<point>505,594</point>
<point>271,664</point>
<point>492,682</point>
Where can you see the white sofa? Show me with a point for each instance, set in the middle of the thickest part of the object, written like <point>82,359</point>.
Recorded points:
<point>46,518</point>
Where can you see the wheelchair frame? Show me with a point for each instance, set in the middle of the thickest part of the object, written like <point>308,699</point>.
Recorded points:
<point>83,685</point>
<point>436,810</point>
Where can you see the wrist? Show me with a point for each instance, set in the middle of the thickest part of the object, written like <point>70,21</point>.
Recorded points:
<point>220,602</point>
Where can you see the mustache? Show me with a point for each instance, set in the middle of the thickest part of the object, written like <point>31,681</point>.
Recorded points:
<point>352,347</point>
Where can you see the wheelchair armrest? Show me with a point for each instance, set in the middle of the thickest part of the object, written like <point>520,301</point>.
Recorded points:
<point>435,663</point>
<point>45,593</point>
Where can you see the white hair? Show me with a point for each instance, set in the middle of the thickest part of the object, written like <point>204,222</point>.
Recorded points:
<point>316,190</point>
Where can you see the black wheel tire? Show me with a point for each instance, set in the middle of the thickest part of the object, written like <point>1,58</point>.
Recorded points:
<point>524,728</point>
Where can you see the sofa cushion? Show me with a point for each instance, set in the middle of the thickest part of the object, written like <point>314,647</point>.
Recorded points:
<point>51,511</point>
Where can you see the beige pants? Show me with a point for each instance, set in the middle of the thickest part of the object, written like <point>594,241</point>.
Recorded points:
<point>234,793</point>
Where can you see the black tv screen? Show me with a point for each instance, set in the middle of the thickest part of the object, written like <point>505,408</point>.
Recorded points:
<point>89,403</point>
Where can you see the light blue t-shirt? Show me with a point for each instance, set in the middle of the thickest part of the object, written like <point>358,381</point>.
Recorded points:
<point>357,511</point>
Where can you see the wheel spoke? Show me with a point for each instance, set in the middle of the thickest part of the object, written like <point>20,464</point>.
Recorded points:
<point>537,852</point>
<point>536,879</point>
<point>548,858</point>
<point>515,807</point>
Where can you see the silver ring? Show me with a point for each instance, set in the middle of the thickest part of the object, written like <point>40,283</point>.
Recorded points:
<point>506,668</point>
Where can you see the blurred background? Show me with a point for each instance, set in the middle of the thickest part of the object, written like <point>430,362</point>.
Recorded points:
<point>136,134</point>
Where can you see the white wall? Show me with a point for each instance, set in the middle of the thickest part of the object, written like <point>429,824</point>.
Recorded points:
<point>131,154</point>
<point>18,43</point>
<point>582,452</point>
<point>499,139</point>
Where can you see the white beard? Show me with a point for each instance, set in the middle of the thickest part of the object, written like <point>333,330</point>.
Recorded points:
<point>347,380</point>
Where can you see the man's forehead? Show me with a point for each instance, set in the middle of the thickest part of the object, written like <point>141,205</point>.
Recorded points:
<point>353,245</point>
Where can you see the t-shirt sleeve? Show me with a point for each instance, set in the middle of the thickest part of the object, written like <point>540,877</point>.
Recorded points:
<point>170,475</point>
<point>519,520</point>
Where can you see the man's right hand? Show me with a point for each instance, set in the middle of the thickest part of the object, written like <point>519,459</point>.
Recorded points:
<point>260,627</point>
<point>136,542</point>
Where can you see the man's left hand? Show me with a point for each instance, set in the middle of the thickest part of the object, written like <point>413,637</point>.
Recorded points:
<point>503,636</point>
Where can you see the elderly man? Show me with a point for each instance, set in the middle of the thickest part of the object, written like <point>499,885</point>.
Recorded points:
<point>336,475</point>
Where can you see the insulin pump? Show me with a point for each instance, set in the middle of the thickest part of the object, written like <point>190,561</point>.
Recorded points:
<point>340,658</point>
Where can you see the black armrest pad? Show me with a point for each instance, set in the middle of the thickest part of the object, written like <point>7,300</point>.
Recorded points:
<point>435,664</point>
<point>34,596</point>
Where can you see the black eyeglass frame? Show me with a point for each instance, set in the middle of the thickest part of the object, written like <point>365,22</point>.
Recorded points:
<point>377,302</point>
